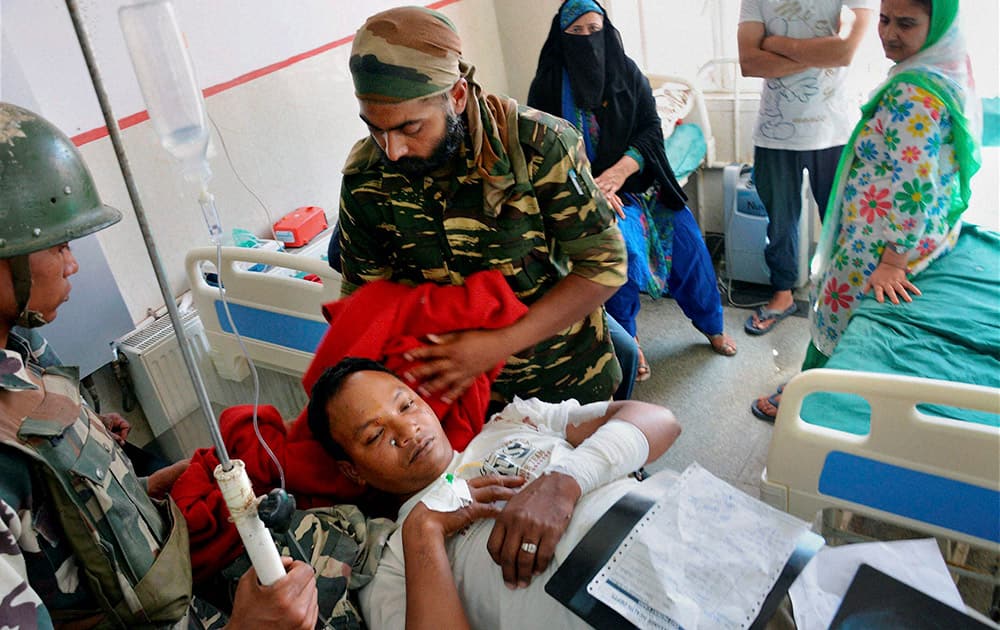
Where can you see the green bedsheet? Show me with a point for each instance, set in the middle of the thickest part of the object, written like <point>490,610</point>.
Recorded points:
<point>951,332</point>
<point>685,149</point>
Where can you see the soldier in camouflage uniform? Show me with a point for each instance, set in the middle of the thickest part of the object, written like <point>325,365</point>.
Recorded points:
<point>451,181</point>
<point>81,540</point>
<point>35,349</point>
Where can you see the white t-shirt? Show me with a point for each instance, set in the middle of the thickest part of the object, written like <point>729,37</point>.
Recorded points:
<point>527,437</point>
<point>811,109</point>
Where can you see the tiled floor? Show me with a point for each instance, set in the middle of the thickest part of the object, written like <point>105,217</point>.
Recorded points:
<point>711,394</point>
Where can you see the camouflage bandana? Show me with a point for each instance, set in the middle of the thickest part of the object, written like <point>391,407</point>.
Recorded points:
<point>496,149</point>
<point>405,53</point>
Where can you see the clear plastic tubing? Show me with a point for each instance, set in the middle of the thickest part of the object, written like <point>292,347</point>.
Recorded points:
<point>177,112</point>
<point>174,101</point>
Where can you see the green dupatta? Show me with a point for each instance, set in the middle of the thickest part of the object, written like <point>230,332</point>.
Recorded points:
<point>941,68</point>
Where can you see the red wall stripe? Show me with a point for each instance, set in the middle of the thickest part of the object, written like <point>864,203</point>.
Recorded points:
<point>139,117</point>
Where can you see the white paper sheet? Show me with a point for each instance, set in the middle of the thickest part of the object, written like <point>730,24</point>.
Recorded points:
<point>705,556</point>
<point>821,586</point>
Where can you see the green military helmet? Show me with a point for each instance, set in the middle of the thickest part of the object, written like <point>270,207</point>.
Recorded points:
<point>47,195</point>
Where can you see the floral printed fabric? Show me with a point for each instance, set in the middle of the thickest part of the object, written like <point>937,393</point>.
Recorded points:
<point>898,189</point>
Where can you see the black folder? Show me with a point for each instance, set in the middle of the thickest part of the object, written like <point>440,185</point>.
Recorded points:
<point>879,601</point>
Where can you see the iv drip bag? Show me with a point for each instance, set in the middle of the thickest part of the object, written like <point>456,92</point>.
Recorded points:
<point>166,78</point>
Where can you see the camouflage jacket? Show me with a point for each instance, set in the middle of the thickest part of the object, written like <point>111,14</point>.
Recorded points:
<point>70,501</point>
<point>529,208</point>
<point>29,343</point>
<point>43,573</point>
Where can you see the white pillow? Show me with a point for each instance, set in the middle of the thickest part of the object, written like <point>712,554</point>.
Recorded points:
<point>674,101</point>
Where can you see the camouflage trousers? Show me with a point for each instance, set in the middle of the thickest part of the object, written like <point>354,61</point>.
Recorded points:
<point>340,543</point>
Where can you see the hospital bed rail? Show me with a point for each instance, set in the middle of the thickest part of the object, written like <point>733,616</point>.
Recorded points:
<point>278,315</point>
<point>921,471</point>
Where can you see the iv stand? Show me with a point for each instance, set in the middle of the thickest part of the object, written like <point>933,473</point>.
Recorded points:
<point>231,474</point>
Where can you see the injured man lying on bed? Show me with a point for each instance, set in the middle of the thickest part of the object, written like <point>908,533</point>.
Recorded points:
<point>558,467</point>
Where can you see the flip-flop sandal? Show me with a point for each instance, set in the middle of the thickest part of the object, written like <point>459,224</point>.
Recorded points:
<point>765,314</point>
<point>774,400</point>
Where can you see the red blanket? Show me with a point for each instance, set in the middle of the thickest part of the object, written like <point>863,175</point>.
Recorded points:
<point>380,321</point>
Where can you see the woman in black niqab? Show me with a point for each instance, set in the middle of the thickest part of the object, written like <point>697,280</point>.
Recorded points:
<point>585,77</point>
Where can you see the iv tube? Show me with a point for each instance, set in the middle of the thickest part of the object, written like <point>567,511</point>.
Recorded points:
<point>175,104</point>
<point>177,113</point>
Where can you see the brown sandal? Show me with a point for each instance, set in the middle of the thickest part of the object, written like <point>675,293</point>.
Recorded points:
<point>643,372</point>
<point>722,344</point>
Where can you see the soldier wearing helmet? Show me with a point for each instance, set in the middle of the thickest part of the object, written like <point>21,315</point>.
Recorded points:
<point>82,541</point>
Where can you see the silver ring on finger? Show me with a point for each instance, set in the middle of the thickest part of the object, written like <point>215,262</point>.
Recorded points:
<point>528,547</point>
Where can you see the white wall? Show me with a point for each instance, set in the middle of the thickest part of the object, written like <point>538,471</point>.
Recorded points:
<point>523,25</point>
<point>981,23</point>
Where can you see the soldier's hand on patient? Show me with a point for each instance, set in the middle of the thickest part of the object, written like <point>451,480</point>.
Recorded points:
<point>291,602</point>
<point>524,537</point>
<point>486,492</point>
<point>161,481</point>
<point>451,362</point>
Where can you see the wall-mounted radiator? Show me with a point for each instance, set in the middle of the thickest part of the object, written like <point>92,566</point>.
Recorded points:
<point>164,388</point>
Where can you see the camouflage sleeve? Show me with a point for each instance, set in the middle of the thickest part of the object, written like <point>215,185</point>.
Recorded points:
<point>577,216</point>
<point>20,605</point>
<point>362,257</point>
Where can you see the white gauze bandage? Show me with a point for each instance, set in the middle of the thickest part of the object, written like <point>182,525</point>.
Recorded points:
<point>610,453</point>
<point>447,494</point>
<point>556,417</point>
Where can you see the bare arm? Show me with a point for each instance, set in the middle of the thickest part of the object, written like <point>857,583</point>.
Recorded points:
<point>569,301</point>
<point>832,51</point>
<point>757,62</point>
<point>432,599</point>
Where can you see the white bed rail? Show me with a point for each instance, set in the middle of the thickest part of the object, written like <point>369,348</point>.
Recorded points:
<point>956,459</point>
<point>279,316</point>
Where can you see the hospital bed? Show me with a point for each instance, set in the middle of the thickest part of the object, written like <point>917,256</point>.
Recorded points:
<point>902,424</point>
<point>275,299</point>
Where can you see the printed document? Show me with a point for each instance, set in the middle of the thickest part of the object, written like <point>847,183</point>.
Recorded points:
<point>705,556</point>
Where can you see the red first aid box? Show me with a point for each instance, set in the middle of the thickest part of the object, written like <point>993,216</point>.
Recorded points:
<point>297,228</point>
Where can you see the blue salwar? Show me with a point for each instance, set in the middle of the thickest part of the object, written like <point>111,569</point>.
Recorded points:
<point>678,264</point>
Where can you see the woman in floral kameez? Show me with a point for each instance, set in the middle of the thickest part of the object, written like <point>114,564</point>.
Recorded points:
<point>903,180</point>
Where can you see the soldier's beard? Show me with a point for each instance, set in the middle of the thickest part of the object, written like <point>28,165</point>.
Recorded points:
<point>454,136</point>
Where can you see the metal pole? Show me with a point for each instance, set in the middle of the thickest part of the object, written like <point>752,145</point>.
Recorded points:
<point>642,38</point>
<point>154,258</point>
